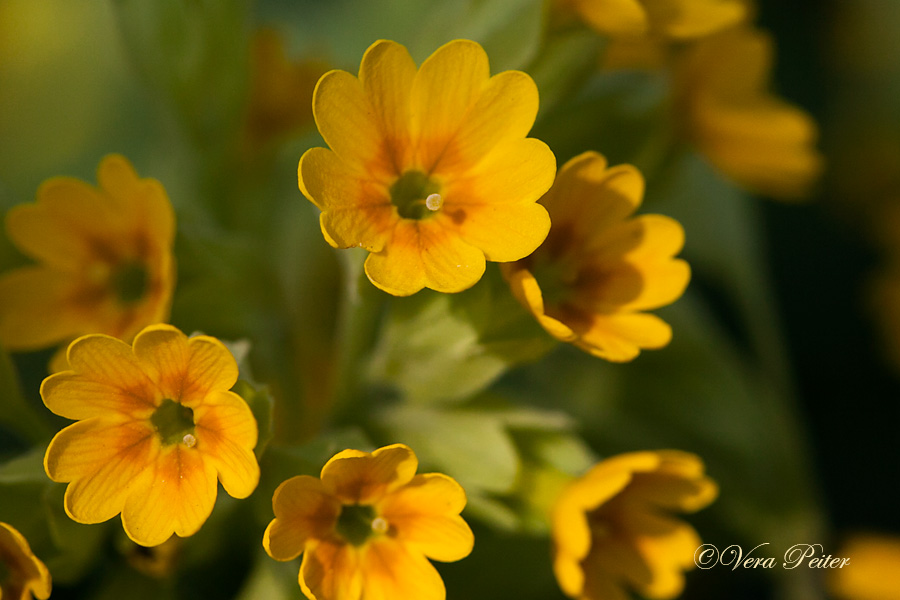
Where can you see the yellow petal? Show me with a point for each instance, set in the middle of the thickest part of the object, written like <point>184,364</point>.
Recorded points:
<point>766,147</point>
<point>620,337</point>
<point>611,565</point>
<point>446,86</point>
<point>226,434</point>
<point>178,497</point>
<point>106,461</point>
<point>425,253</point>
<point>386,73</point>
<point>58,229</point>
<point>343,114</point>
<point>667,547</point>
<point>526,289</point>
<point>361,478</point>
<point>331,571</point>
<point>492,206</point>
<point>425,515</point>
<point>25,573</point>
<point>504,111</point>
<point>357,211</point>
<point>185,370</point>
<point>27,296</point>
<point>588,198</point>
<point>679,483</point>
<point>616,17</point>
<point>143,201</point>
<point>304,510</point>
<point>392,570</point>
<point>685,19</point>
<point>106,378</point>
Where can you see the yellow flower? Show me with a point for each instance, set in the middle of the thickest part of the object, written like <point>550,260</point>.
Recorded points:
<point>21,572</point>
<point>678,19</point>
<point>612,529</point>
<point>281,90</point>
<point>156,427</point>
<point>105,259</point>
<point>871,573</point>
<point>366,527</point>
<point>752,136</point>
<point>597,269</point>
<point>429,169</point>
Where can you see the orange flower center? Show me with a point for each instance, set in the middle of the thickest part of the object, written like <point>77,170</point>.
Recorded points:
<point>359,522</point>
<point>129,281</point>
<point>174,422</point>
<point>416,195</point>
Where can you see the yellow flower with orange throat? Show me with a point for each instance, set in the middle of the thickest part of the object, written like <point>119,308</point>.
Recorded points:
<point>368,526</point>
<point>676,19</point>
<point>157,427</point>
<point>22,574</point>
<point>104,255</point>
<point>429,169</point>
<point>724,102</point>
<point>613,530</point>
<point>599,268</point>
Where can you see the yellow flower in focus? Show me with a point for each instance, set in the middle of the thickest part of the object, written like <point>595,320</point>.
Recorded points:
<point>367,528</point>
<point>871,573</point>
<point>598,268</point>
<point>21,572</point>
<point>752,136</point>
<point>281,90</point>
<point>612,530</point>
<point>157,426</point>
<point>677,19</point>
<point>104,254</point>
<point>429,169</point>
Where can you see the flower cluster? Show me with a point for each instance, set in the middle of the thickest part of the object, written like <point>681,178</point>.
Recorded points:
<point>326,369</point>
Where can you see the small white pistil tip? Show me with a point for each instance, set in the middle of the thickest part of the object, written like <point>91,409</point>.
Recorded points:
<point>380,524</point>
<point>434,202</point>
<point>189,440</point>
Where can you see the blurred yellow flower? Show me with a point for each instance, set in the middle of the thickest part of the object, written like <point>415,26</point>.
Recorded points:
<point>429,169</point>
<point>752,136</point>
<point>21,572</point>
<point>366,527</point>
<point>612,530</point>
<point>678,19</point>
<point>157,425</point>
<point>281,90</point>
<point>872,571</point>
<point>105,259</point>
<point>598,268</point>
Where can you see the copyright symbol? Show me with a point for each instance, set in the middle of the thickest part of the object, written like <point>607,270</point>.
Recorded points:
<point>706,556</point>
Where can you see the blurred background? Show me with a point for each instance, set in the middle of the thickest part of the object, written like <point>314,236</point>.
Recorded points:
<point>791,393</point>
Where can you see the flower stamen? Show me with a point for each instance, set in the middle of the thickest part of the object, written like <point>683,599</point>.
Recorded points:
<point>434,202</point>
<point>380,525</point>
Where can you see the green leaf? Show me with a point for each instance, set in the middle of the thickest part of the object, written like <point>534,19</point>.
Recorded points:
<point>445,348</point>
<point>471,446</point>
<point>261,405</point>
<point>25,468</point>
<point>271,580</point>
